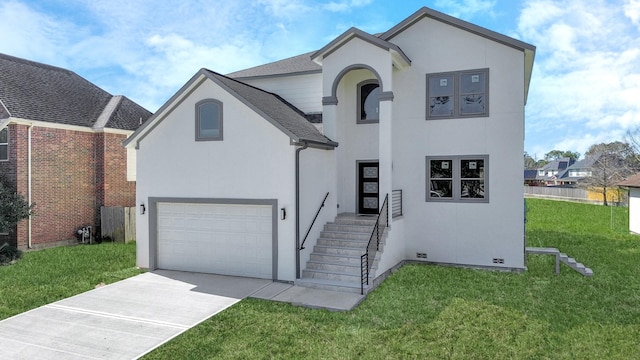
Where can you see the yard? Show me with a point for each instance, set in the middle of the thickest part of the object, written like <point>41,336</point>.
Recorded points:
<point>421,311</point>
<point>443,312</point>
<point>45,276</point>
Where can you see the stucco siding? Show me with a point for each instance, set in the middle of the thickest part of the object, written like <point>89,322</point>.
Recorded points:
<point>317,177</point>
<point>634,210</point>
<point>471,234</point>
<point>302,91</point>
<point>254,161</point>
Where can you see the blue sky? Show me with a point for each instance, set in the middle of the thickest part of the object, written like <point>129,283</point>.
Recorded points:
<point>586,79</point>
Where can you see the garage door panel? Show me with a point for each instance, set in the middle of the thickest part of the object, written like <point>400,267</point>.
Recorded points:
<point>215,238</point>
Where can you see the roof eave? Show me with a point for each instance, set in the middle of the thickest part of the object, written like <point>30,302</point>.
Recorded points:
<point>293,137</point>
<point>528,49</point>
<point>400,59</point>
<point>175,100</point>
<point>295,73</point>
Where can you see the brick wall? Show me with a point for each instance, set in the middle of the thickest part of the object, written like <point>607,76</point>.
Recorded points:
<point>63,183</point>
<point>73,174</point>
<point>117,190</point>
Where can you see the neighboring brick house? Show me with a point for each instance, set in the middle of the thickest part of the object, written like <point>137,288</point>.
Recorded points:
<point>61,147</point>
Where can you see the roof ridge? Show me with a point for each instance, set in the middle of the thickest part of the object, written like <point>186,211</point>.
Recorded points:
<point>108,112</point>
<point>35,63</point>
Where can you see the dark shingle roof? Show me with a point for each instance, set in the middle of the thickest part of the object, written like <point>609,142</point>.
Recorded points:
<point>35,91</point>
<point>128,115</point>
<point>293,65</point>
<point>275,109</point>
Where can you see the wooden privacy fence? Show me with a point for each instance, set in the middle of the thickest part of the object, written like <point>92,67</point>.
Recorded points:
<point>118,223</point>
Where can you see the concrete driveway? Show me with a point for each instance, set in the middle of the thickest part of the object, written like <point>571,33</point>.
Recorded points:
<point>124,320</point>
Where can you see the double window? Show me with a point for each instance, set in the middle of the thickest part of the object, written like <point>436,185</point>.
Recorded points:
<point>368,102</point>
<point>457,178</point>
<point>4,144</point>
<point>208,120</point>
<point>458,94</point>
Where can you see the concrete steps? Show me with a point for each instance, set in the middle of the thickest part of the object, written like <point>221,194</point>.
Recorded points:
<point>572,263</point>
<point>561,258</point>
<point>334,263</point>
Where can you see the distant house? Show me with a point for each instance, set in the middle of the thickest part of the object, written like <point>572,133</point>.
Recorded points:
<point>552,174</point>
<point>633,184</point>
<point>422,130</point>
<point>61,147</point>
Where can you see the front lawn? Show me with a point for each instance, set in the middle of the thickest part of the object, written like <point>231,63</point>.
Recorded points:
<point>436,312</point>
<point>44,276</point>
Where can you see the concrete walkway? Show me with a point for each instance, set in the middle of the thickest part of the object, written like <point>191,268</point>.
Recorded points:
<point>130,318</point>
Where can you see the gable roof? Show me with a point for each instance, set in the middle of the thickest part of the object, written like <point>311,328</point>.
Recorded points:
<point>35,91</point>
<point>400,59</point>
<point>303,63</point>
<point>296,65</point>
<point>270,106</point>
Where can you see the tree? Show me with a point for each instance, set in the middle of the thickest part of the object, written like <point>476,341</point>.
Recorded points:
<point>633,139</point>
<point>611,162</point>
<point>531,163</point>
<point>559,154</point>
<point>13,207</point>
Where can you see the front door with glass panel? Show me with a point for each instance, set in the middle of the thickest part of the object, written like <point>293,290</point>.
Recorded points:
<point>368,183</point>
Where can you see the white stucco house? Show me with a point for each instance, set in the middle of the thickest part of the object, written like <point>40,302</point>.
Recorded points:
<point>633,184</point>
<point>428,116</point>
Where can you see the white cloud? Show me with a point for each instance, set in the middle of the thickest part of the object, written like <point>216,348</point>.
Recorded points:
<point>287,9</point>
<point>466,9</point>
<point>345,6</point>
<point>33,35</point>
<point>632,11</point>
<point>586,78</point>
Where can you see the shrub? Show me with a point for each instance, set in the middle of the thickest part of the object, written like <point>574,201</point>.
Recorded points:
<point>8,254</point>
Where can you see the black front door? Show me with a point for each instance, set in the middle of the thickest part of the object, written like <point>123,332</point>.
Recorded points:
<point>368,187</point>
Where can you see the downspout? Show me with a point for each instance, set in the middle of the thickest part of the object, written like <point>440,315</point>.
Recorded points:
<point>298,150</point>
<point>29,180</point>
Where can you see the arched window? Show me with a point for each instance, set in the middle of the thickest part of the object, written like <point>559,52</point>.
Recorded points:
<point>208,120</point>
<point>368,103</point>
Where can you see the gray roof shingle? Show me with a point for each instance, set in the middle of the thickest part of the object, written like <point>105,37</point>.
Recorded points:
<point>35,91</point>
<point>299,64</point>
<point>632,181</point>
<point>128,115</point>
<point>282,114</point>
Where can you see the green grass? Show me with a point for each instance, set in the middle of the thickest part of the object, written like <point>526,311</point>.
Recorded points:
<point>44,276</point>
<point>435,312</point>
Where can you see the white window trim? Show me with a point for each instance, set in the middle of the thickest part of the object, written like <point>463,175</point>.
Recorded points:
<point>456,94</point>
<point>197,120</point>
<point>5,144</point>
<point>456,179</point>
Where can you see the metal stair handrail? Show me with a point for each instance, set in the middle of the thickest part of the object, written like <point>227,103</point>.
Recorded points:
<point>366,260</point>
<point>314,221</point>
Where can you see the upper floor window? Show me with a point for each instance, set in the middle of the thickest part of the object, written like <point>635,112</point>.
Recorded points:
<point>368,102</point>
<point>458,94</point>
<point>209,120</point>
<point>4,144</point>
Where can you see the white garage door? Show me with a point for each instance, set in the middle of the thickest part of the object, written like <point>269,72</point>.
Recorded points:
<point>215,238</point>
